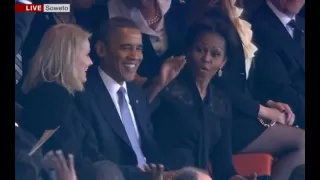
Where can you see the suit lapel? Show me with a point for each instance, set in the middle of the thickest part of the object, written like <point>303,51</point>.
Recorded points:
<point>138,110</point>
<point>107,108</point>
<point>301,24</point>
<point>290,46</point>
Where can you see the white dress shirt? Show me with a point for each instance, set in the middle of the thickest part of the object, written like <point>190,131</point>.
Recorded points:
<point>158,36</point>
<point>113,88</point>
<point>285,19</point>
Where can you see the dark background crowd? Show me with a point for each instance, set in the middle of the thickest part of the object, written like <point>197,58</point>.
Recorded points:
<point>160,89</point>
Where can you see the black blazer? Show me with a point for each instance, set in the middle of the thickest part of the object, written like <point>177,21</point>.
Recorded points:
<point>99,110</point>
<point>280,64</point>
<point>175,29</point>
<point>193,132</point>
<point>48,106</point>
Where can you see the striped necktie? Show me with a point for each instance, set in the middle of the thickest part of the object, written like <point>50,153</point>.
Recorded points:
<point>18,67</point>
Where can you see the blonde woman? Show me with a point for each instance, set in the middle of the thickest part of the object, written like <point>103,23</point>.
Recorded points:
<point>57,72</point>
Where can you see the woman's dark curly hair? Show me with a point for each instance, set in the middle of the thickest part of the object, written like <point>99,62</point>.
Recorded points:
<point>214,21</point>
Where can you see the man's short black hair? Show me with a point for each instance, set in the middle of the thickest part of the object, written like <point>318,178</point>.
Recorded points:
<point>109,26</point>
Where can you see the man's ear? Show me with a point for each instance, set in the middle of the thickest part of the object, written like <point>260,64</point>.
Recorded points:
<point>100,49</point>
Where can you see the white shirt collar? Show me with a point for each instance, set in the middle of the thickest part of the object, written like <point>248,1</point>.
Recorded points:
<point>117,8</point>
<point>285,19</point>
<point>112,86</point>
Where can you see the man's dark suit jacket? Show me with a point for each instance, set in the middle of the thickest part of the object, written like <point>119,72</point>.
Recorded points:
<point>279,72</point>
<point>22,26</point>
<point>99,110</point>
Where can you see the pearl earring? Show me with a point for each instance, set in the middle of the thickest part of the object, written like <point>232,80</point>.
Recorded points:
<point>220,72</point>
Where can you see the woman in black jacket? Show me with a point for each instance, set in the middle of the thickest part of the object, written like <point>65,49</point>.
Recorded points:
<point>259,126</point>
<point>57,71</point>
<point>250,132</point>
<point>193,121</point>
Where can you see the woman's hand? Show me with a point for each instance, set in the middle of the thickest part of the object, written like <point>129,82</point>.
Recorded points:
<point>64,168</point>
<point>139,79</point>
<point>285,108</point>
<point>272,114</point>
<point>170,69</point>
<point>277,116</point>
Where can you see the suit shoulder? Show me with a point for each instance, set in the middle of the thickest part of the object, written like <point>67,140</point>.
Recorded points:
<point>52,89</point>
<point>300,21</point>
<point>266,59</point>
<point>136,88</point>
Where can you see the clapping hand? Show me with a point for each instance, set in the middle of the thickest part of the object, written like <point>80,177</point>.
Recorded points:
<point>64,167</point>
<point>170,69</point>
<point>153,171</point>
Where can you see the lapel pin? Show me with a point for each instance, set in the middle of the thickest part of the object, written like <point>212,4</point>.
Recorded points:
<point>137,101</point>
<point>182,1</point>
<point>47,17</point>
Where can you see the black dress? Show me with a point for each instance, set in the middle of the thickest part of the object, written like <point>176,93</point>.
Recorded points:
<point>48,106</point>
<point>192,131</point>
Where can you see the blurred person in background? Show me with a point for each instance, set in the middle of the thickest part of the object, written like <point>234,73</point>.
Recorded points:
<point>22,26</point>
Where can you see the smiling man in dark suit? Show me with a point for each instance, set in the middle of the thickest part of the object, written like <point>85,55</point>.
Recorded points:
<point>280,64</point>
<point>117,109</point>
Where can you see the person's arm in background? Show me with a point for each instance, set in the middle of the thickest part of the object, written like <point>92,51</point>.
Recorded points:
<point>22,25</point>
<point>278,83</point>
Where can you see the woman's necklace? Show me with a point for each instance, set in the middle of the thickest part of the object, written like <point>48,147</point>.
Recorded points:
<point>155,19</point>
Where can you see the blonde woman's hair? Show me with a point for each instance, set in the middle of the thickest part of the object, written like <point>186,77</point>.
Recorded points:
<point>244,29</point>
<point>55,58</point>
